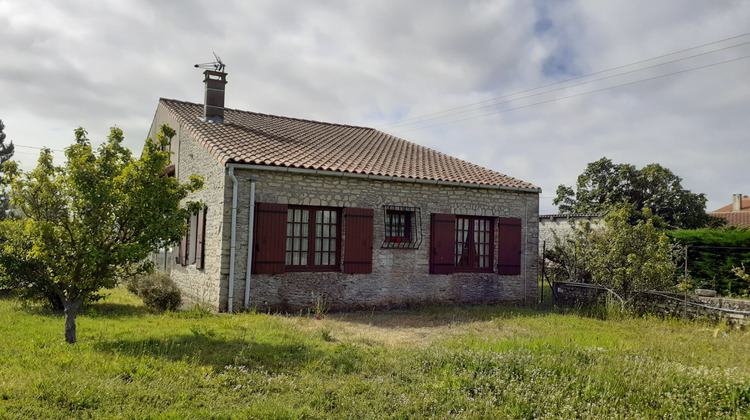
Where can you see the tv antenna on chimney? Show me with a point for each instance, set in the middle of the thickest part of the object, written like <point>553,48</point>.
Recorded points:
<point>215,65</point>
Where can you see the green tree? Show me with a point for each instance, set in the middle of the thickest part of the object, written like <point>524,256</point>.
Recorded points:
<point>6,152</point>
<point>625,257</point>
<point>604,185</point>
<point>95,219</point>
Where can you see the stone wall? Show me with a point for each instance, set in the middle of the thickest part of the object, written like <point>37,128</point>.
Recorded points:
<point>735,311</point>
<point>200,286</point>
<point>566,293</point>
<point>560,225</point>
<point>399,276</point>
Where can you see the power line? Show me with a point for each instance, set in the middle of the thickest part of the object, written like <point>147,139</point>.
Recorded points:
<point>492,101</point>
<point>38,148</point>
<point>577,95</point>
<point>569,80</point>
<point>570,86</point>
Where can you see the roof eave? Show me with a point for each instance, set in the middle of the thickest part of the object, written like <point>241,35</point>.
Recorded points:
<point>535,190</point>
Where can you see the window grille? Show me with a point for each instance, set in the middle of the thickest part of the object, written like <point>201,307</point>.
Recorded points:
<point>402,227</point>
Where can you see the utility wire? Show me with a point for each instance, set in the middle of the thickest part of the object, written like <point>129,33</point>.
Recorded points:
<point>577,95</point>
<point>447,111</point>
<point>571,79</point>
<point>567,87</point>
<point>38,148</point>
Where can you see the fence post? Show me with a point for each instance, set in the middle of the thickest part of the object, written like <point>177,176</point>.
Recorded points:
<point>684,313</point>
<point>544,263</point>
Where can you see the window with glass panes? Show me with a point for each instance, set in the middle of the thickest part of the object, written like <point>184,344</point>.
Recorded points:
<point>474,243</point>
<point>312,238</point>
<point>397,226</point>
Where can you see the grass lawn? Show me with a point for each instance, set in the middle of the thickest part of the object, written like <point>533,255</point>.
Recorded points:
<point>432,362</point>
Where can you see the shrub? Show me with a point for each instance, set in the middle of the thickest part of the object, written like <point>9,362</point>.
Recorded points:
<point>157,291</point>
<point>714,254</point>
<point>743,277</point>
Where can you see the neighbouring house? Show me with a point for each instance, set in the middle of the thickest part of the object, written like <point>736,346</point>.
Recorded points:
<point>560,225</point>
<point>737,213</point>
<point>298,211</point>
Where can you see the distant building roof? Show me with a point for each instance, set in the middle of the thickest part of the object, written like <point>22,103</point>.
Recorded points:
<point>729,207</point>
<point>261,139</point>
<point>737,213</point>
<point>734,218</point>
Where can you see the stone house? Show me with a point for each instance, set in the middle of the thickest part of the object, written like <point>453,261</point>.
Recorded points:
<point>297,211</point>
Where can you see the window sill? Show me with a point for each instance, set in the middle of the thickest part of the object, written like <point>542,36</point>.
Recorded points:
<point>473,270</point>
<point>411,244</point>
<point>299,269</point>
<point>398,245</point>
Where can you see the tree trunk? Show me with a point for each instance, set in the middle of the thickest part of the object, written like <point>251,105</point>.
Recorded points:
<point>71,309</point>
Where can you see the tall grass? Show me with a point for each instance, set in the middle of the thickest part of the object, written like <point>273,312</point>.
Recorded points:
<point>431,362</point>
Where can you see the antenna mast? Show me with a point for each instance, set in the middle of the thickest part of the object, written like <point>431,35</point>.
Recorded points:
<point>217,65</point>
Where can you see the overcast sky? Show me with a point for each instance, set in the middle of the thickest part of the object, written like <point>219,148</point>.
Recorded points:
<point>532,89</point>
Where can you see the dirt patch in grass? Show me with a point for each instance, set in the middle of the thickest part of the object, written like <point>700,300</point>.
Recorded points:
<point>404,328</point>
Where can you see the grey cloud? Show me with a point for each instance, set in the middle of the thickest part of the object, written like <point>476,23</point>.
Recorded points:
<point>369,63</point>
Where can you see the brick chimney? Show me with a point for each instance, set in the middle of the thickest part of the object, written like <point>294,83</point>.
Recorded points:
<point>214,98</point>
<point>737,202</point>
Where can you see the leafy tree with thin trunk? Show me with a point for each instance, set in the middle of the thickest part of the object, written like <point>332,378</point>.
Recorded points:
<point>625,257</point>
<point>95,219</point>
<point>6,152</point>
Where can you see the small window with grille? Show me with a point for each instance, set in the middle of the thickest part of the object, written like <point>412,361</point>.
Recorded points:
<point>402,227</point>
<point>397,226</point>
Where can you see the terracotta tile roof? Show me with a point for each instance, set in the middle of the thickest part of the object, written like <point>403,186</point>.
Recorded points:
<point>260,139</point>
<point>735,218</point>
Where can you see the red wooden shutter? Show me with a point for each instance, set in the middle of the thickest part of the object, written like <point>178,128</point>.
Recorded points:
<point>192,238</point>
<point>442,243</point>
<point>200,235</point>
<point>181,257</point>
<point>269,256</point>
<point>509,246</point>
<point>358,251</point>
